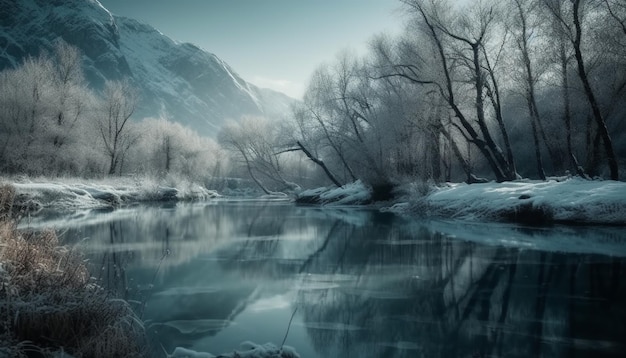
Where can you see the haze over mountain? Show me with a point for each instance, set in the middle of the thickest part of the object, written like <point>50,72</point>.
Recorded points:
<point>184,82</point>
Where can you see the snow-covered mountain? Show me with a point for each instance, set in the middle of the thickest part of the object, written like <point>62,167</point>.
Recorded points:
<point>189,84</point>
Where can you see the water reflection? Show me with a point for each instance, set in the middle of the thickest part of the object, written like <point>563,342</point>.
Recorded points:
<point>208,276</point>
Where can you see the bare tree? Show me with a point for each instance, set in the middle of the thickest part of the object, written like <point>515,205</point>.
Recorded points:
<point>463,48</point>
<point>522,31</point>
<point>119,103</point>
<point>43,102</point>
<point>303,142</point>
<point>316,102</point>
<point>574,28</point>
<point>70,86</point>
<point>360,123</point>
<point>425,122</point>
<point>167,149</point>
<point>558,33</point>
<point>253,139</point>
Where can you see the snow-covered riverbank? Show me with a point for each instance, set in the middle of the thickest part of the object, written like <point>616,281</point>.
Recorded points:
<point>73,194</point>
<point>571,201</point>
<point>568,201</point>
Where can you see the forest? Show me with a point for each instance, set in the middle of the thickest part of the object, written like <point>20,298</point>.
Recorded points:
<point>491,90</point>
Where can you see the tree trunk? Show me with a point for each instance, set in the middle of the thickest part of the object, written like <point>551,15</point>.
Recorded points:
<point>168,156</point>
<point>567,116</point>
<point>503,166</point>
<point>496,102</point>
<point>112,164</point>
<point>435,157</point>
<point>533,123</point>
<point>533,112</point>
<point>457,152</point>
<point>336,148</point>
<point>593,156</point>
<point>319,163</point>
<point>595,108</point>
<point>254,178</point>
<point>502,169</point>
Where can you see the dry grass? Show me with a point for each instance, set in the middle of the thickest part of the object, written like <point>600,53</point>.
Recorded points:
<point>48,302</point>
<point>7,194</point>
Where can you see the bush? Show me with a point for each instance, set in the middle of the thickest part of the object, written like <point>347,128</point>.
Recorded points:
<point>49,303</point>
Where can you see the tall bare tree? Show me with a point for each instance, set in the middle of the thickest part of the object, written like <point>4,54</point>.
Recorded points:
<point>70,84</point>
<point>256,142</point>
<point>522,31</point>
<point>573,25</point>
<point>460,47</point>
<point>119,103</point>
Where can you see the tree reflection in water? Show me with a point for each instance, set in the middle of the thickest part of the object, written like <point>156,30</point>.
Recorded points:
<point>421,293</point>
<point>366,284</point>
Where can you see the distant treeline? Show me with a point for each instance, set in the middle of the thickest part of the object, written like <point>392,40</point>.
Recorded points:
<point>52,123</point>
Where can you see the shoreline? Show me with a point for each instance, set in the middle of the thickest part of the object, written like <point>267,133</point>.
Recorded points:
<point>66,195</point>
<point>48,295</point>
<point>562,201</point>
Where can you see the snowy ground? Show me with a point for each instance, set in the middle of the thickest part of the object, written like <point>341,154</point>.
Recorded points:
<point>571,201</point>
<point>350,194</point>
<point>567,201</point>
<point>74,194</point>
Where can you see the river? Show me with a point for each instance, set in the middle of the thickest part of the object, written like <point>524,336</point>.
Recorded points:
<point>359,283</point>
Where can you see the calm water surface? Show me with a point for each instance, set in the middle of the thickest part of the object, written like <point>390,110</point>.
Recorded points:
<point>208,276</point>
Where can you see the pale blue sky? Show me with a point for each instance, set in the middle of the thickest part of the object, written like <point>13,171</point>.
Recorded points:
<point>271,43</point>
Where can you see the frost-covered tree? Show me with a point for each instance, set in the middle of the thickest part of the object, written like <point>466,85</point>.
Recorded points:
<point>52,123</point>
<point>303,137</point>
<point>118,105</point>
<point>422,135</point>
<point>26,105</point>
<point>169,149</point>
<point>572,19</point>
<point>463,40</point>
<point>522,25</point>
<point>70,87</point>
<point>357,124</point>
<point>256,143</point>
<point>44,111</point>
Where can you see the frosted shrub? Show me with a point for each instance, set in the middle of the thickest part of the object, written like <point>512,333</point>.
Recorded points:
<point>167,149</point>
<point>48,301</point>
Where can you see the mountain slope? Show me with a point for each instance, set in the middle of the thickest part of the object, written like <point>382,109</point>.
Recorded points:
<point>188,84</point>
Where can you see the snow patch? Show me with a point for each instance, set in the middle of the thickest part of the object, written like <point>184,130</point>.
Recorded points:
<point>350,194</point>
